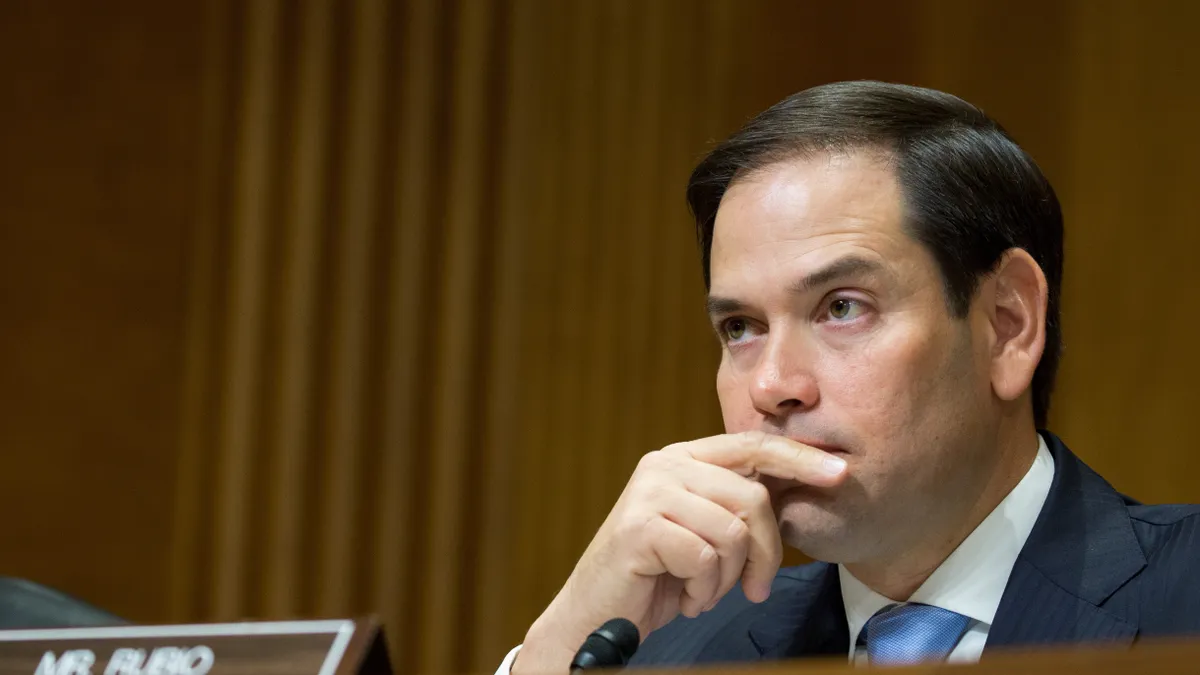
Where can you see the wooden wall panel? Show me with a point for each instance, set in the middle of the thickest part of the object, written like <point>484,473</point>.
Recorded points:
<point>1128,389</point>
<point>1097,92</point>
<point>96,197</point>
<point>380,302</point>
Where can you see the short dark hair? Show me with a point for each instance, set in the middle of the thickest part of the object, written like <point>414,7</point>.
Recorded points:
<point>971,193</point>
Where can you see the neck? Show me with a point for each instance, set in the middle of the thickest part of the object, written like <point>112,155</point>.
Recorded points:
<point>899,576</point>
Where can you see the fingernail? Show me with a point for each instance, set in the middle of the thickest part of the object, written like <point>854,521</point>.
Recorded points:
<point>834,466</point>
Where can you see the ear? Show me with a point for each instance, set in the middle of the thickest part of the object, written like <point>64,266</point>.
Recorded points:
<point>1015,299</point>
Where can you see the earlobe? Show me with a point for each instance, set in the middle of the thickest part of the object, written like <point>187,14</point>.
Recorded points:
<point>1018,316</point>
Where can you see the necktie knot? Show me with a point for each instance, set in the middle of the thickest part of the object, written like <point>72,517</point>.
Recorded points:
<point>912,633</point>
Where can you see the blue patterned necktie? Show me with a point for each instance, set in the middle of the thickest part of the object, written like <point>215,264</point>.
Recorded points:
<point>903,634</point>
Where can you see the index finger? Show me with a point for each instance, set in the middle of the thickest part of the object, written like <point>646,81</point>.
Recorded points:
<point>753,452</point>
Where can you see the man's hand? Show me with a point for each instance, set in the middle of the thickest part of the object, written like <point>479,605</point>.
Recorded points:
<point>690,523</point>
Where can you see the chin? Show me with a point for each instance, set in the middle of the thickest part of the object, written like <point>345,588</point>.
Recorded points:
<point>816,527</point>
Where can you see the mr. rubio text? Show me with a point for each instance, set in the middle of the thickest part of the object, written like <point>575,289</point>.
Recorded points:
<point>128,661</point>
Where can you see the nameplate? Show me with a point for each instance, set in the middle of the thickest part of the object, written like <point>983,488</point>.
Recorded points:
<point>336,647</point>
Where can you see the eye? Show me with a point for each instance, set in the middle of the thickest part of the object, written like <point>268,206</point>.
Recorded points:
<point>845,309</point>
<point>733,330</point>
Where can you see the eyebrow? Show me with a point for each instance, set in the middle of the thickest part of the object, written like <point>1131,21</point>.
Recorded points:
<point>843,268</point>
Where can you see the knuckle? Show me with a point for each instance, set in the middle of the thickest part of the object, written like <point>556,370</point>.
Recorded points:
<point>630,527</point>
<point>753,440</point>
<point>758,494</point>
<point>641,537</point>
<point>656,493</point>
<point>674,449</point>
<point>652,528</point>
<point>649,461</point>
<point>658,461</point>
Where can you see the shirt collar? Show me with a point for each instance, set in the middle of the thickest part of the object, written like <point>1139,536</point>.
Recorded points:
<point>971,581</point>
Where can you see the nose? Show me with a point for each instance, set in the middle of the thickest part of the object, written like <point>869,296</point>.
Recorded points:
<point>784,381</point>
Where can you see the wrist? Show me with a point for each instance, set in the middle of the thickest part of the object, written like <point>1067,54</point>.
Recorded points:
<point>539,658</point>
<point>551,643</point>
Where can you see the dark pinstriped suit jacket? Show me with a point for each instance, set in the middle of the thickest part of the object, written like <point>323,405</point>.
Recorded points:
<point>1098,567</point>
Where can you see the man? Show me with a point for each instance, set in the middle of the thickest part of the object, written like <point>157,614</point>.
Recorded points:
<point>884,268</point>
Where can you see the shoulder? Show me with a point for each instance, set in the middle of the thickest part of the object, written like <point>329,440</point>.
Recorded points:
<point>1169,529</point>
<point>1167,594</point>
<point>722,634</point>
<point>1083,502</point>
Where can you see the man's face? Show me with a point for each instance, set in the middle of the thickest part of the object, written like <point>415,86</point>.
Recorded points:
<point>837,334</point>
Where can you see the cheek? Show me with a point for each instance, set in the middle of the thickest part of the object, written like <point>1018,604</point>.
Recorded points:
<point>885,386</point>
<point>737,410</point>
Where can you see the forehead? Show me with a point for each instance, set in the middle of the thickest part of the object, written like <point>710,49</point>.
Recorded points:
<point>807,212</point>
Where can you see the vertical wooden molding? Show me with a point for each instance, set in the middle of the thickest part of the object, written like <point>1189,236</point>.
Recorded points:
<point>300,239</point>
<point>681,318</point>
<point>610,206</point>
<point>355,231</point>
<point>398,564</point>
<point>717,44</point>
<point>571,417</point>
<point>244,323</point>
<point>200,318</point>
<point>531,587</point>
<point>644,159</point>
<point>496,532</point>
<point>454,391</point>
<point>661,275</point>
<point>549,418</point>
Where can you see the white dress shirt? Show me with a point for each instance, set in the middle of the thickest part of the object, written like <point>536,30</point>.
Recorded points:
<point>971,581</point>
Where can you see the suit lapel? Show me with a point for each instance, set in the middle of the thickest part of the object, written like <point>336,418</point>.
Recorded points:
<point>804,619</point>
<point>1080,551</point>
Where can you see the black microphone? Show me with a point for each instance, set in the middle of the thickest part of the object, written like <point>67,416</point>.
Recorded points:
<point>610,645</point>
